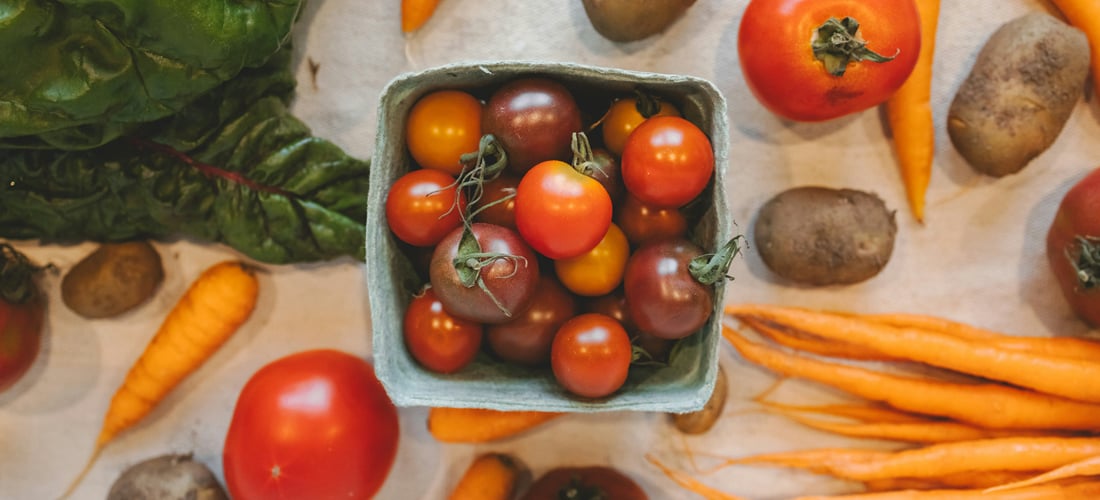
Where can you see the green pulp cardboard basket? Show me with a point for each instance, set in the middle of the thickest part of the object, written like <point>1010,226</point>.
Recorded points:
<point>683,385</point>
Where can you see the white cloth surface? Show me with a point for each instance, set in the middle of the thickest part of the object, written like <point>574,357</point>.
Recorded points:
<point>978,258</point>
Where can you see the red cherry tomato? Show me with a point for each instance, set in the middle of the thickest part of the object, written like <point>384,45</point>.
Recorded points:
<point>561,212</point>
<point>642,223</point>
<point>315,424</point>
<point>781,70</point>
<point>420,207</point>
<point>590,356</point>
<point>442,126</point>
<point>1073,247</point>
<point>438,340</point>
<point>667,162</point>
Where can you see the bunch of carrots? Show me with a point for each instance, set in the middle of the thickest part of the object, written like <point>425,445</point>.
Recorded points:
<point>989,415</point>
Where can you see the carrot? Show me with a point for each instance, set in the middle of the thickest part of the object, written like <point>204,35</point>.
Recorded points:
<point>1086,467</point>
<point>910,115</point>
<point>811,343</point>
<point>863,412</point>
<point>969,479</point>
<point>932,461</point>
<point>689,483</point>
<point>211,310</point>
<point>1085,16</point>
<point>1053,375</point>
<point>1069,347</point>
<point>1076,491</point>
<point>492,476</point>
<point>474,425</point>
<point>986,405</point>
<point>932,431</point>
<point>415,13</point>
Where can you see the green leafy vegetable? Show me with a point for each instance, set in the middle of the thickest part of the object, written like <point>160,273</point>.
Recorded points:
<point>81,73</point>
<point>233,167</point>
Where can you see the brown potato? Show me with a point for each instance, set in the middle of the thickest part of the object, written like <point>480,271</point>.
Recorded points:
<point>822,236</point>
<point>1019,94</point>
<point>167,477</point>
<point>113,279</point>
<point>700,421</point>
<point>631,20</point>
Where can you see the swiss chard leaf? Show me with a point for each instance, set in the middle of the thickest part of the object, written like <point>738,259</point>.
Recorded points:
<point>234,167</point>
<point>80,73</point>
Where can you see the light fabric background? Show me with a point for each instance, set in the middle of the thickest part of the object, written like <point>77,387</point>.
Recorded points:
<point>978,258</point>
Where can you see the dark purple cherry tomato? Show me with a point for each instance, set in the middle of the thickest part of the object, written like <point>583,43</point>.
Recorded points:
<point>491,284</point>
<point>534,119</point>
<point>526,339</point>
<point>662,297</point>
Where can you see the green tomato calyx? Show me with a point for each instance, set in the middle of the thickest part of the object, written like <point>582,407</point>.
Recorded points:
<point>837,43</point>
<point>1086,265</point>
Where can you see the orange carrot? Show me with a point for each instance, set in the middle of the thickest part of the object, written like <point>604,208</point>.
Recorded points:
<point>691,484</point>
<point>1076,491</point>
<point>415,13</point>
<point>1053,375</point>
<point>492,476</point>
<point>473,425</point>
<point>1085,16</point>
<point>1069,347</point>
<point>969,479</point>
<point>862,412</point>
<point>910,115</point>
<point>811,343</point>
<point>1011,454</point>
<point>931,431</point>
<point>986,405</point>
<point>1086,467</point>
<point>211,310</point>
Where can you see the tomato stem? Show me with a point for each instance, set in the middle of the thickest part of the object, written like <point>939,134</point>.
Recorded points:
<point>17,284</point>
<point>647,105</point>
<point>584,157</point>
<point>479,167</point>
<point>1087,263</point>
<point>709,269</point>
<point>836,43</point>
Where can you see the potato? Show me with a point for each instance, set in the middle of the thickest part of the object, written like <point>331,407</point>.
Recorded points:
<point>700,421</point>
<point>631,20</point>
<point>167,477</point>
<point>113,279</point>
<point>1025,83</point>
<point>821,236</point>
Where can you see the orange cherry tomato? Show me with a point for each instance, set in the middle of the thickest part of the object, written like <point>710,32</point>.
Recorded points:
<point>442,126</point>
<point>597,271</point>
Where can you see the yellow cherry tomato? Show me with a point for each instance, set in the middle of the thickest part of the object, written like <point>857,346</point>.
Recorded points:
<point>441,127</point>
<point>621,119</point>
<point>598,271</point>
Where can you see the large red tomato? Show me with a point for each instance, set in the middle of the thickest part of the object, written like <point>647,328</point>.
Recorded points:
<point>316,424</point>
<point>788,74</point>
<point>1073,247</point>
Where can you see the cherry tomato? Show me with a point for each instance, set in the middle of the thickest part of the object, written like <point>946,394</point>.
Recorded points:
<point>22,312</point>
<point>623,117</point>
<point>663,298</point>
<point>778,61</point>
<point>605,168</point>
<point>561,212</point>
<point>667,162</point>
<point>527,338</point>
<point>503,284</point>
<point>593,481</point>
<point>591,355</point>
<point>442,126</point>
<point>315,424</point>
<point>1073,248</point>
<point>534,119</point>
<point>599,270</point>
<point>642,223</point>
<point>501,213</point>
<point>439,341</point>
<point>420,207</point>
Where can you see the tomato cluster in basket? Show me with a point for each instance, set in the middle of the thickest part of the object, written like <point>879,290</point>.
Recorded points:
<point>545,248</point>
